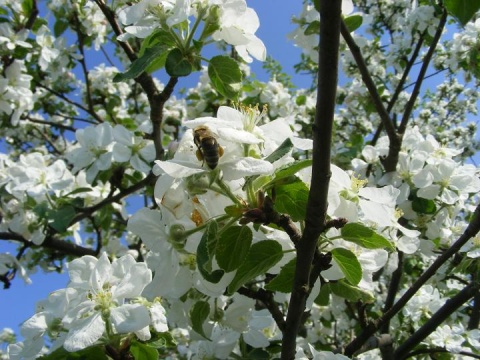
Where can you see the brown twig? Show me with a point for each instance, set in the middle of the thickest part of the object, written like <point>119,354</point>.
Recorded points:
<point>422,73</point>
<point>450,306</point>
<point>472,229</point>
<point>368,81</point>
<point>50,242</point>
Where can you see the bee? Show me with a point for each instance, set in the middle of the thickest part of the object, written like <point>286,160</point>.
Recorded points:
<point>208,149</point>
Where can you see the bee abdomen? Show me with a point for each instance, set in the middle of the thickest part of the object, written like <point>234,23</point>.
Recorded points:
<point>210,152</point>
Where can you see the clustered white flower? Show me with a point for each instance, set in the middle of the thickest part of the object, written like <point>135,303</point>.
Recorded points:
<point>237,23</point>
<point>124,297</point>
<point>103,298</point>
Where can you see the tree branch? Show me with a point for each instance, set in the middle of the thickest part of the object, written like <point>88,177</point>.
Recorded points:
<point>266,298</point>
<point>422,73</point>
<point>50,242</point>
<point>368,81</point>
<point>472,229</point>
<point>86,212</point>
<point>450,306</point>
<point>330,19</point>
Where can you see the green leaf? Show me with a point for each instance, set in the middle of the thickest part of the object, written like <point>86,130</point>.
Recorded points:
<point>232,247</point>
<point>158,63</point>
<point>349,264</point>
<point>142,351</point>
<point>292,199</point>
<point>205,252</point>
<point>198,314</point>
<point>91,353</point>
<point>60,26</point>
<point>159,36</point>
<point>283,282</point>
<point>61,218</point>
<point>225,75</point>
<point>142,63</point>
<point>353,22</point>
<point>423,206</point>
<point>279,152</point>
<point>323,298</point>
<point>162,340</point>
<point>27,6</point>
<point>313,28</point>
<point>258,354</point>
<point>177,64</point>
<point>234,210</point>
<point>292,168</point>
<point>463,10</point>
<point>261,257</point>
<point>365,237</point>
<point>78,191</point>
<point>348,291</point>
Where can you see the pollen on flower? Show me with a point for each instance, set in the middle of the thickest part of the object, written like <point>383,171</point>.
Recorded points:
<point>252,115</point>
<point>398,213</point>
<point>357,183</point>
<point>189,261</point>
<point>196,217</point>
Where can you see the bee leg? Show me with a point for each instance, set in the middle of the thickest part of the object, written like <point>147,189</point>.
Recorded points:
<point>200,157</point>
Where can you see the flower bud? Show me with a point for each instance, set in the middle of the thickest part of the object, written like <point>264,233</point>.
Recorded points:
<point>177,236</point>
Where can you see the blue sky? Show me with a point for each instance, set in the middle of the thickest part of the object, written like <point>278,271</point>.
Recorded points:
<point>18,302</point>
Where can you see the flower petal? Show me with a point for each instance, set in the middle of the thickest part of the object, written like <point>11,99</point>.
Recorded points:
<point>130,317</point>
<point>84,333</point>
<point>176,170</point>
<point>240,168</point>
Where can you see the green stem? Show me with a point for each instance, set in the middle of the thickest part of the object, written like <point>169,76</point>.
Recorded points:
<point>225,190</point>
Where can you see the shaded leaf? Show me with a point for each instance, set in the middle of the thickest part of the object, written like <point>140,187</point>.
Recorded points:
<point>365,237</point>
<point>177,64</point>
<point>283,282</point>
<point>61,218</point>
<point>353,22</point>
<point>281,151</point>
<point>232,247</point>
<point>323,297</point>
<point>205,252</point>
<point>261,257</point>
<point>349,264</point>
<point>225,75</point>
<point>142,63</point>
<point>463,10</point>
<point>142,351</point>
<point>350,292</point>
<point>292,168</point>
<point>292,199</point>
<point>198,314</point>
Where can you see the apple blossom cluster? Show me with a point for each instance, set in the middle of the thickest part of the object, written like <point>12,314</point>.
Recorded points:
<point>450,107</point>
<point>234,22</point>
<point>188,196</point>
<point>189,265</point>
<point>435,188</point>
<point>461,52</point>
<point>102,300</point>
